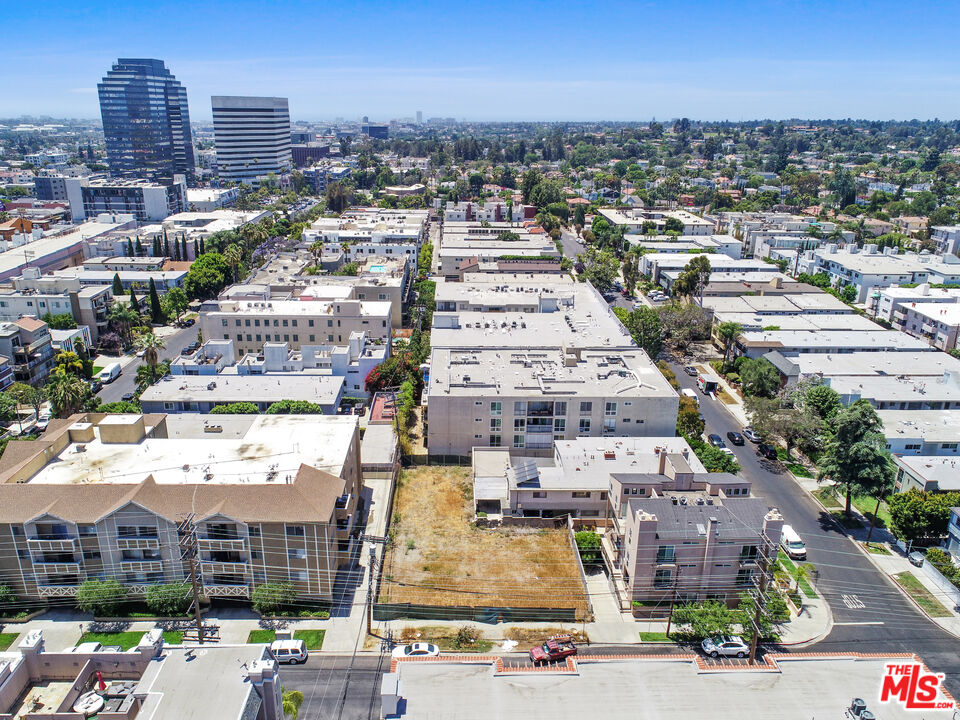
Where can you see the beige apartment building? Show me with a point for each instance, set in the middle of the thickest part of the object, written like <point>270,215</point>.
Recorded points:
<point>251,323</point>
<point>524,400</point>
<point>274,499</point>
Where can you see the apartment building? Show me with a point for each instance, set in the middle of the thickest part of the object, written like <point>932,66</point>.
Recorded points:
<point>889,303</point>
<point>274,499</point>
<point>468,241</point>
<point>252,136</point>
<point>664,268</point>
<point>475,269</point>
<point>351,362</point>
<point>947,238</point>
<point>207,199</point>
<point>927,433</point>
<point>927,473</point>
<point>365,232</point>
<point>146,201</point>
<point>526,399</point>
<point>756,343</point>
<point>139,280</point>
<point>196,394</point>
<point>35,295</point>
<point>869,270</point>
<point>322,174</point>
<point>492,211</point>
<point>297,322</point>
<point>633,220</point>
<point>27,342</point>
<point>866,365</point>
<point>719,244</point>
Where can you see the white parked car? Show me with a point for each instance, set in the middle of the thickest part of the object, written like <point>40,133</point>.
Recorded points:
<point>417,649</point>
<point>289,651</point>
<point>726,645</point>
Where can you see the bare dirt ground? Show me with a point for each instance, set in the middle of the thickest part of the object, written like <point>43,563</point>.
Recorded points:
<point>438,557</point>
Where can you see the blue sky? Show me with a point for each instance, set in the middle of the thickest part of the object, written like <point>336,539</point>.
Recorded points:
<point>498,60</point>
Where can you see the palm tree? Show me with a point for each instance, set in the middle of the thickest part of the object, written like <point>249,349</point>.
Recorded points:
<point>234,256</point>
<point>147,375</point>
<point>292,700</point>
<point>67,392</point>
<point>151,344</point>
<point>70,362</point>
<point>803,573</point>
<point>123,318</point>
<point>727,333</point>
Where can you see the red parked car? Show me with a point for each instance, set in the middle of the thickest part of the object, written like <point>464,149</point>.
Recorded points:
<point>552,650</point>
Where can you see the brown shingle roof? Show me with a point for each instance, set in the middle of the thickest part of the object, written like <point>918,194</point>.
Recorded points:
<point>310,497</point>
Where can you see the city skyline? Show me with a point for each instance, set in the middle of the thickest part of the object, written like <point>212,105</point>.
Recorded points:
<point>566,63</point>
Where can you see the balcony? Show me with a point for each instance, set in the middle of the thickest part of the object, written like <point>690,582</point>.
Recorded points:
<point>52,543</point>
<point>141,566</point>
<point>137,543</point>
<point>216,567</point>
<point>666,558</point>
<point>56,590</point>
<point>42,567</point>
<point>218,544</point>
<point>225,590</point>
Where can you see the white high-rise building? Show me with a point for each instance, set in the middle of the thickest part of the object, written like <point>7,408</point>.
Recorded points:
<point>252,137</point>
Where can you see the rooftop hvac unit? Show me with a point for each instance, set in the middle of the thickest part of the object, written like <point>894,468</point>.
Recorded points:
<point>857,706</point>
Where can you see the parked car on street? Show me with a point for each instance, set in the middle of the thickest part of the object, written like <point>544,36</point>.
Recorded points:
<point>767,451</point>
<point>129,397</point>
<point>726,645</point>
<point>752,435</point>
<point>417,649</point>
<point>290,651</point>
<point>560,647</point>
<point>691,371</point>
<point>716,440</point>
<point>735,438</point>
<point>916,558</point>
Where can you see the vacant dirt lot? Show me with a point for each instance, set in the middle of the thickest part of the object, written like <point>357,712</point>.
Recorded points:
<point>438,558</point>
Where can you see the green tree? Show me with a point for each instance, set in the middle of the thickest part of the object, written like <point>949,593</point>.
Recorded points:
<point>151,344</point>
<point>156,309</point>
<point>68,394</point>
<point>26,394</point>
<point>338,197</point>
<point>631,272</point>
<point>684,323</point>
<point>101,597</point>
<point>237,408</point>
<point>727,333</point>
<point>758,376</point>
<point>645,327</point>
<point>68,362</point>
<point>274,597</point>
<point>292,700</point>
<point>672,224</point>
<point>175,303</point>
<point>694,277</point>
<point>588,545</point>
<point>117,285</point>
<point>703,619</point>
<point>64,321</point>
<point>600,267</point>
<point>119,407</point>
<point>169,600</point>
<point>294,407</point>
<point>856,457</point>
<point>822,400</point>
<point>234,257</point>
<point>689,420</point>
<point>207,276</point>
<point>134,302</point>
<point>917,515</point>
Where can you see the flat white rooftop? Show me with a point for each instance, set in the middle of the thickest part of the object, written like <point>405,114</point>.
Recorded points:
<point>867,364</point>
<point>944,471</point>
<point>932,426</point>
<point>620,455</point>
<point>268,449</point>
<point>825,340</point>
<point>223,389</point>
<point>649,690</point>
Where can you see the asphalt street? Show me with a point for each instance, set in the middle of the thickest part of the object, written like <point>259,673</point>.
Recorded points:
<point>870,613</point>
<point>337,687</point>
<point>127,382</point>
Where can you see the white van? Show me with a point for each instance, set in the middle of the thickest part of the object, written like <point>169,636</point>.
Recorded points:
<point>792,544</point>
<point>110,373</point>
<point>687,392</point>
<point>289,651</point>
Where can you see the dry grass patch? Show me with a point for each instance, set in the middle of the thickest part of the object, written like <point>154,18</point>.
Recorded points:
<point>531,636</point>
<point>437,557</point>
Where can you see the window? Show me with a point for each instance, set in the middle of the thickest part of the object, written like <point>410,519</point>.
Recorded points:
<point>296,553</point>
<point>296,338</point>
<point>559,408</point>
<point>559,425</point>
<point>496,408</point>
<point>285,323</point>
<point>586,407</point>
<point>256,555</point>
<point>496,441</point>
<point>744,576</point>
<point>609,424</point>
<point>256,322</point>
<point>247,322</point>
<point>665,554</point>
<point>298,574</point>
<point>85,529</point>
<point>518,441</point>
<point>295,530</point>
<point>949,446</point>
<point>748,553</point>
<point>496,424</point>
<point>584,425</point>
<point>610,409</point>
<point>223,322</point>
<point>539,495</point>
<point>581,494</point>
<point>253,531</point>
<point>663,578</point>
<point>294,323</point>
<point>519,424</point>
<point>310,322</point>
<point>520,407</point>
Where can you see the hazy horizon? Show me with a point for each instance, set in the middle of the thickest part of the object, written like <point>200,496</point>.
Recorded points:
<point>532,62</point>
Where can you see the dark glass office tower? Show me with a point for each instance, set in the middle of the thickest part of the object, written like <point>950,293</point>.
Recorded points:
<point>145,120</point>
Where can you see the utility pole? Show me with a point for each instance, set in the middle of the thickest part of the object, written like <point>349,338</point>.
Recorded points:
<point>372,569</point>
<point>761,599</point>
<point>187,540</point>
<point>673,599</point>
